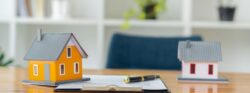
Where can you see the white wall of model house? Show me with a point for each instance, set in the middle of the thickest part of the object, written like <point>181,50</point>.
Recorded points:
<point>201,70</point>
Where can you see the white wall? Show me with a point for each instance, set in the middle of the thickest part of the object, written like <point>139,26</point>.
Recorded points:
<point>235,48</point>
<point>116,8</point>
<point>235,43</point>
<point>6,4</point>
<point>208,10</point>
<point>201,70</point>
<point>4,42</point>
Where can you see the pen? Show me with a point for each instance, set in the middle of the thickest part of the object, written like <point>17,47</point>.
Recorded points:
<point>132,79</point>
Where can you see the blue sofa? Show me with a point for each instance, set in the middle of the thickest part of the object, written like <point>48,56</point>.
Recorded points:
<point>141,52</point>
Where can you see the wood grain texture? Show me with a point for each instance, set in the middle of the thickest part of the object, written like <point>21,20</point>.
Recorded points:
<point>10,81</point>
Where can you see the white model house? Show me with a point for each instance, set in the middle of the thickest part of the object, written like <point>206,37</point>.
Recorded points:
<point>199,59</point>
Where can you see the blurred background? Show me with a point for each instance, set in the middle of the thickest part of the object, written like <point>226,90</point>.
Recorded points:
<point>95,21</point>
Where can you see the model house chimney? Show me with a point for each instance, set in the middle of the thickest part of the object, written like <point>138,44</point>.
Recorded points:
<point>39,34</point>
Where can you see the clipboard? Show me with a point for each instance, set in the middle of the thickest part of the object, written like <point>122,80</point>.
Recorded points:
<point>105,88</point>
<point>104,83</point>
<point>113,89</point>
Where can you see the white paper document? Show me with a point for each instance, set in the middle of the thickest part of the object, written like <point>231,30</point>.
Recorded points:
<point>113,80</point>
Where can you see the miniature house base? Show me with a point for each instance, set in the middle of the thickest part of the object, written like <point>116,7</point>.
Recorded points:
<point>49,83</point>
<point>200,80</point>
<point>200,61</point>
<point>54,58</point>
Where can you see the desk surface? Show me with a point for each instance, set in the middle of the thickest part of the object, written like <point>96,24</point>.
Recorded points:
<point>10,81</point>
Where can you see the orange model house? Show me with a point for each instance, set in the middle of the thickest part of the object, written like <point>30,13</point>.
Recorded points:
<point>54,58</point>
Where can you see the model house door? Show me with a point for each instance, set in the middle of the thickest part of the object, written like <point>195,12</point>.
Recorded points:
<point>46,72</point>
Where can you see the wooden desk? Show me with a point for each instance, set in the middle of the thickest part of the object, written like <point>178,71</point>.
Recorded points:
<point>10,81</point>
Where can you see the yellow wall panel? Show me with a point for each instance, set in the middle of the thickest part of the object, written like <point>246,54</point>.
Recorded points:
<point>54,67</point>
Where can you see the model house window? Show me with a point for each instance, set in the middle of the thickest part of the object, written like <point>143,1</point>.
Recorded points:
<point>69,54</point>
<point>192,68</point>
<point>210,69</point>
<point>76,68</point>
<point>35,70</point>
<point>62,69</point>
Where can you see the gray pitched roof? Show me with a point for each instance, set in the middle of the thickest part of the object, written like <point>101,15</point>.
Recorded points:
<point>50,47</point>
<point>199,51</point>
